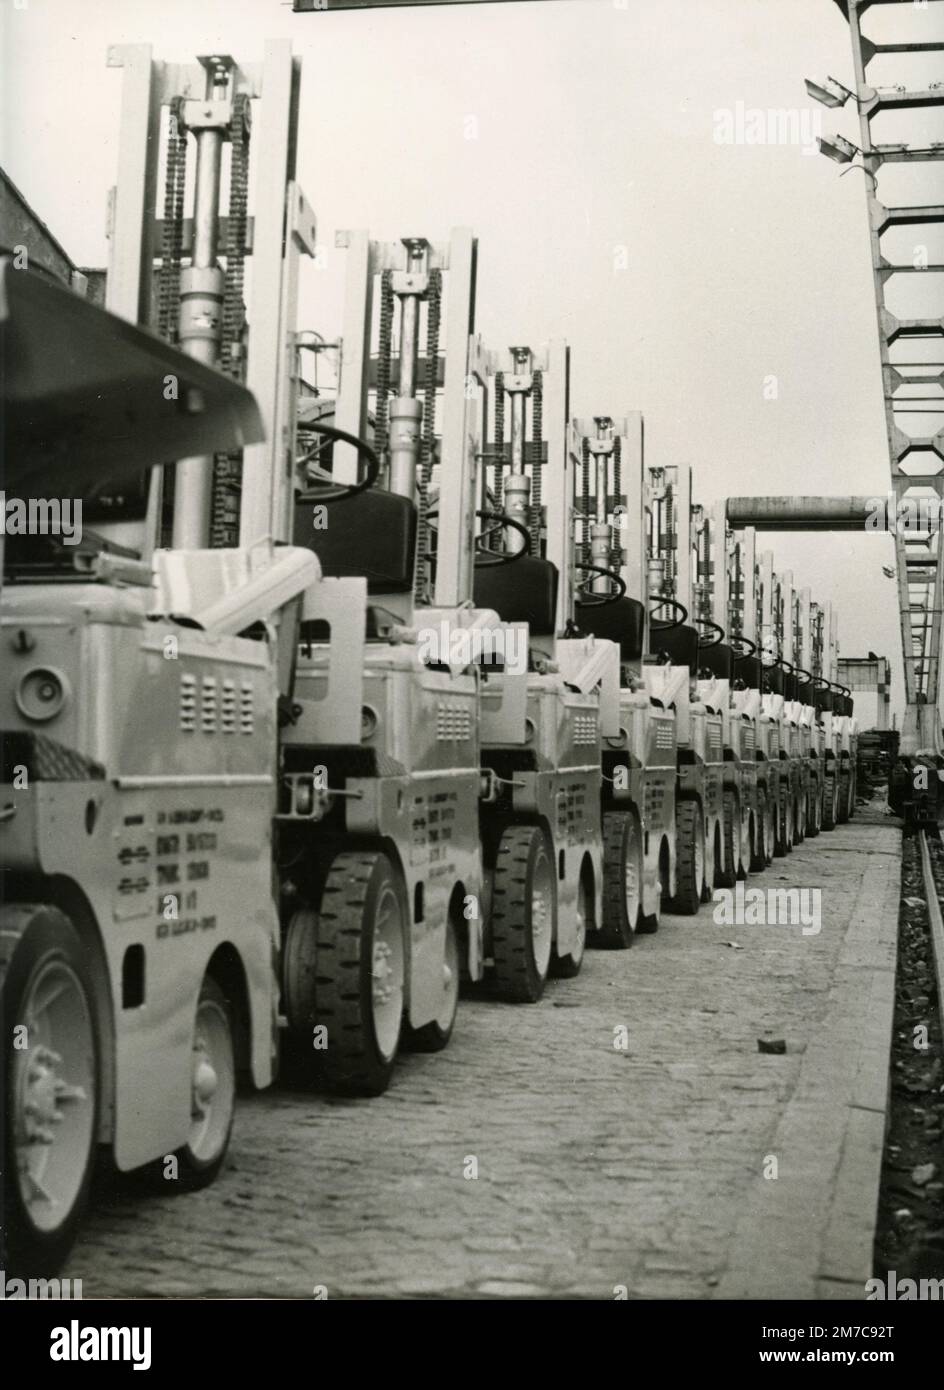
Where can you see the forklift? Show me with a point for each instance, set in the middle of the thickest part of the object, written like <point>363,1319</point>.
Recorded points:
<point>736,575</point>
<point>145,686</point>
<point>639,761</point>
<point>381,907</point>
<point>675,640</point>
<point>826,697</point>
<point>806,689</point>
<point>780,681</point>
<point>541,741</point>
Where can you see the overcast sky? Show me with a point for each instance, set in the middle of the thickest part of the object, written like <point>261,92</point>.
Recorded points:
<point>684,272</point>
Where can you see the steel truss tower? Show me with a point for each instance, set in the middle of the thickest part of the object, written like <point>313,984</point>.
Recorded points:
<point>913,381</point>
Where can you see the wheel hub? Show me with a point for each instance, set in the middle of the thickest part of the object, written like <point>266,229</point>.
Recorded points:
<point>539,913</point>
<point>382,973</point>
<point>45,1093</point>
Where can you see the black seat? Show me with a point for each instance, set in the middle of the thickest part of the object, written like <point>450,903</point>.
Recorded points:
<point>524,591</point>
<point>747,672</point>
<point>804,691</point>
<point>823,700</point>
<point>679,644</point>
<point>790,683</point>
<point>372,534</point>
<point>623,621</point>
<point>718,658</point>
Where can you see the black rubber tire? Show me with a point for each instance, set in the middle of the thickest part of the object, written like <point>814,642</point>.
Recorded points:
<point>518,977</point>
<point>726,871</point>
<point>829,802</point>
<point>689,827</point>
<point>357,881</point>
<point>812,825</point>
<point>759,858</point>
<point>194,1173</point>
<point>435,1035</point>
<point>783,839</point>
<point>621,839</point>
<point>568,967</point>
<point>48,936</point>
<point>648,923</point>
<point>845,784</point>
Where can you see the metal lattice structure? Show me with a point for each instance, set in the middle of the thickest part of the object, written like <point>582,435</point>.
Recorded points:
<point>913,381</point>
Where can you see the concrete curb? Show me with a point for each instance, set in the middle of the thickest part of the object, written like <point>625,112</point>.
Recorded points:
<point>809,1234</point>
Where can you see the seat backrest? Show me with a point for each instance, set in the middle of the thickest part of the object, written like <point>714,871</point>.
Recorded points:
<point>623,621</point>
<point>679,644</point>
<point>805,691</point>
<point>823,700</point>
<point>524,591</point>
<point>372,534</point>
<point>718,658</point>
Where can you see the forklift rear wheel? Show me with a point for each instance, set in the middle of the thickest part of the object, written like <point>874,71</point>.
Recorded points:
<point>649,922</point>
<point>524,913</point>
<point>783,837</point>
<point>568,967</point>
<point>845,780</point>
<point>361,972</point>
<point>747,841</point>
<point>690,862</point>
<point>622,880</point>
<point>829,803</point>
<point>759,859</point>
<point>434,1036</point>
<point>813,808</point>
<point>51,1089</point>
<point>726,874</point>
<point>212,1090</point>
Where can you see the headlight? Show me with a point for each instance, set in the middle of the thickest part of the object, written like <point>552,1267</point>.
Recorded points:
<point>42,693</point>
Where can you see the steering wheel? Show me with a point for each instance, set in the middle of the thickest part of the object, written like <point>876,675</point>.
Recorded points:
<point>742,639</point>
<point>598,600</point>
<point>707,622</point>
<point>668,625</point>
<point>489,559</point>
<point>327,493</point>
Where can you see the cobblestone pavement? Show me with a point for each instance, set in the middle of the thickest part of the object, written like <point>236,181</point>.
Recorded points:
<point>596,1167</point>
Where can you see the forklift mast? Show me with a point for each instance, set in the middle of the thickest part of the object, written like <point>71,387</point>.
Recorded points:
<point>182,274</point>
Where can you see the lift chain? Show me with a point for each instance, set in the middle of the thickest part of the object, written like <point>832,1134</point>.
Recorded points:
<point>428,440</point>
<point>227,468</point>
<point>499,459</point>
<point>616,551</point>
<point>384,351</point>
<point>175,179</point>
<point>234,310</point>
<point>537,444</point>
<point>585,499</point>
